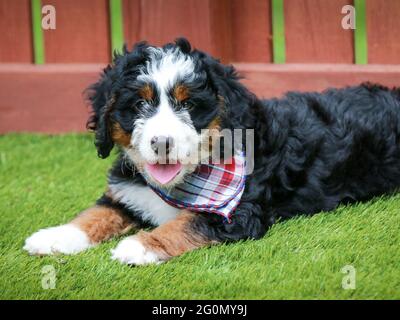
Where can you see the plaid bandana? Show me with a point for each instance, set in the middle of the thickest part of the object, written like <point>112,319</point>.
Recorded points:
<point>213,188</point>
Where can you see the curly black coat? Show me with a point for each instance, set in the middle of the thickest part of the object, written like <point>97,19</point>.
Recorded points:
<point>313,151</point>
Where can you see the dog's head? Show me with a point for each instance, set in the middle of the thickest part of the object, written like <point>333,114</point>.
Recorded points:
<point>156,102</point>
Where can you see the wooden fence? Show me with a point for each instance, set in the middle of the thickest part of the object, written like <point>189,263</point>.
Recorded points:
<point>278,45</point>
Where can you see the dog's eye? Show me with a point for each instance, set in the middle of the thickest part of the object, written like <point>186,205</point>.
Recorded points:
<point>140,103</point>
<point>187,105</point>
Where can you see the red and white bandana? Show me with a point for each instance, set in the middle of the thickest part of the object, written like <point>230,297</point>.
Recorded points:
<point>214,188</point>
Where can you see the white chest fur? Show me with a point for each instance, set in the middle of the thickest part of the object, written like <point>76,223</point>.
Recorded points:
<point>144,200</point>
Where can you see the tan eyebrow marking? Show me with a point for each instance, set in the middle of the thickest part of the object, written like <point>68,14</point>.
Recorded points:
<point>181,92</point>
<point>146,92</point>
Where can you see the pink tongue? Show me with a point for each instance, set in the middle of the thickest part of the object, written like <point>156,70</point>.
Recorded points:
<point>163,173</point>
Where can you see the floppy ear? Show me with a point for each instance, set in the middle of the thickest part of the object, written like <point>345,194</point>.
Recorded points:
<point>103,95</point>
<point>103,137</point>
<point>102,101</point>
<point>237,103</point>
<point>183,44</point>
<point>235,98</point>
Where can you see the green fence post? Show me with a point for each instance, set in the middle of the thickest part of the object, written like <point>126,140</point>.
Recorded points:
<point>116,26</point>
<point>278,31</point>
<point>37,32</point>
<point>360,33</point>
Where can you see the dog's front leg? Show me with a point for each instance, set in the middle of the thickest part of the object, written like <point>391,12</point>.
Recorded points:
<point>164,242</point>
<point>92,226</point>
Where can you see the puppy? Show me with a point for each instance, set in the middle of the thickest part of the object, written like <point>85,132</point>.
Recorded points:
<point>311,152</point>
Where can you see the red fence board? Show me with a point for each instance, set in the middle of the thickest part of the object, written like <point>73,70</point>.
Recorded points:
<point>251,31</point>
<point>15,35</point>
<point>159,21</point>
<point>132,16</point>
<point>220,29</point>
<point>237,30</point>
<point>314,32</point>
<point>44,98</point>
<point>81,34</point>
<point>268,80</point>
<point>383,24</point>
<point>49,98</point>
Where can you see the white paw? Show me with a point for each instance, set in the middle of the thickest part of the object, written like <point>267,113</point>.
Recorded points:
<point>131,251</point>
<point>66,239</point>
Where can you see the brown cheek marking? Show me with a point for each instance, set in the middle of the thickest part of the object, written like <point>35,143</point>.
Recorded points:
<point>120,136</point>
<point>174,237</point>
<point>215,124</point>
<point>101,223</point>
<point>146,92</point>
<point>181,93</point>
<point>214,134</point>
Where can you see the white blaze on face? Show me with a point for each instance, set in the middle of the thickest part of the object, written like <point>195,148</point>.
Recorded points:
<point>166,123</point>
<point>164,69</point>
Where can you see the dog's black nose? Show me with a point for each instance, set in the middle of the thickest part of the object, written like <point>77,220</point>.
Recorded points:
<point>161,144</point>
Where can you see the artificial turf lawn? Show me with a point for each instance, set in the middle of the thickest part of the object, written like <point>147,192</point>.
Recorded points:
<point>46,180</point>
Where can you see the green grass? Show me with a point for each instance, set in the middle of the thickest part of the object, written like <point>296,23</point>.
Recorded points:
<point>46,180</point>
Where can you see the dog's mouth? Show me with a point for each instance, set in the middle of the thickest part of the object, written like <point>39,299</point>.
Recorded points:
<point>163,173</point>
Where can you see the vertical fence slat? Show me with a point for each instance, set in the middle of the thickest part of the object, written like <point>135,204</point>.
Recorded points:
<point>360,33</point>
<point>116,25</point>
<point>383,28</point>
<point>278,31</point>
<point>252,28</point>
<point>37,32</point>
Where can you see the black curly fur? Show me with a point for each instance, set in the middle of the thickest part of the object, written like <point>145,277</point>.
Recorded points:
<point>313,151</point>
